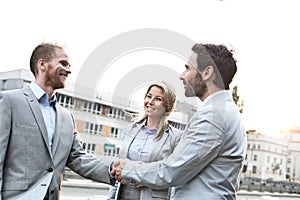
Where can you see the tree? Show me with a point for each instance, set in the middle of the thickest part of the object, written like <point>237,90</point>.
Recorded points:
<point>236,99</point>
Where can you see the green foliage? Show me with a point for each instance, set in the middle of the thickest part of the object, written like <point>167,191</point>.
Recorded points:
<point>236,99</point>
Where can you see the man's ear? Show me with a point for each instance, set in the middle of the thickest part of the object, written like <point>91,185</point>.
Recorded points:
<point>41,65</point>
<point>208,73</point>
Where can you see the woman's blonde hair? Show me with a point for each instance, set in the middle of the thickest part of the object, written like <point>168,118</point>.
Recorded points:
<point>169,99</point>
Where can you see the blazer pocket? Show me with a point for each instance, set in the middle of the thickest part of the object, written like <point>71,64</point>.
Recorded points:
<point>26,125</point>
<point>15,185</point>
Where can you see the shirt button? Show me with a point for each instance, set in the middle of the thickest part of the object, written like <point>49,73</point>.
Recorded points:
<point>52,191</point>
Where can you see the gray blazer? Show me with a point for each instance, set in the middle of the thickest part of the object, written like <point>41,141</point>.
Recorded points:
<point>162,149</point>
<point>207,161</point>
<point>27,165</point>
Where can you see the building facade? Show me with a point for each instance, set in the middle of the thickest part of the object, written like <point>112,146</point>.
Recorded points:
<point>266,156</point>
<point>293,158</point>
<point>273,158</point>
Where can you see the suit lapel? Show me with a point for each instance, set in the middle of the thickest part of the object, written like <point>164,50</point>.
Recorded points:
<point>36,110</point>
<point>58,128</point>
<point>159,145</point>
<point>129,140</point>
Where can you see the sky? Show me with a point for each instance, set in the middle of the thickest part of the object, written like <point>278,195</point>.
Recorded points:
<point>264,35</point>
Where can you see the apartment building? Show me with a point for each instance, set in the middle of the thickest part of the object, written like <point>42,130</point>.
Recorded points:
<point>276,158</point>
<point>293,158</point>
<point>266,156</point>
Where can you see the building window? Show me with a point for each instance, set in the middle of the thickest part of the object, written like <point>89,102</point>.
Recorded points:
<point>253,146</point>
<point>65,101</point>
<point>115,132</point>
<point>97,109</point>
<point>93,128</point>
<point>177,125</point>
<point>255,157</point>
<point>111,150</point>
<point>288,170</point>
<point>248,146</point>
<point>268,159</point>
<point>254,168</point>
<point>116,113</point>
<point>87,106</point>
<point>108,152</point>
<point>258,146</point>
<point>90,148</point>
<point>289,160</point>
<point>91,107</point>
<point>116,152</point>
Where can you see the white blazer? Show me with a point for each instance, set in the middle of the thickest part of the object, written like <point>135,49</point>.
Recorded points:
<point>207,161</point>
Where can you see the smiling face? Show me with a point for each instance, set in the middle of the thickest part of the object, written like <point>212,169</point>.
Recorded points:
<point>193,82</point>
<point>154,103</point>
<point>57,70</point>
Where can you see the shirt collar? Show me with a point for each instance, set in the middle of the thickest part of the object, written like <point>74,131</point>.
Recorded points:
<point>143,127</point>
<point>149,131</point>
<point>41,95</point>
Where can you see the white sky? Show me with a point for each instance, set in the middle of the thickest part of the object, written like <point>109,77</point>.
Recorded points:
<point>264,34</point>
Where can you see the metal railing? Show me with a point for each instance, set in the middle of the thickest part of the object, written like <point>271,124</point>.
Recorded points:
<point>268,185</point>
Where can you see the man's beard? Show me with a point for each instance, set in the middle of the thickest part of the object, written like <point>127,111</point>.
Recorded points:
<point>196,87</point>
<point>55,81</point>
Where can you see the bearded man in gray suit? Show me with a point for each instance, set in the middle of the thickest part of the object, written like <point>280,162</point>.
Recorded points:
<point>207,161</point>
<point>37,135</point>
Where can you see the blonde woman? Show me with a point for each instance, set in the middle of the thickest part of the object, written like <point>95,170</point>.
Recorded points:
<point>151,138</point>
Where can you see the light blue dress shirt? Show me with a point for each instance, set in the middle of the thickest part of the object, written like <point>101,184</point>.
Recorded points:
<point>142,145</point>
<point>48,110</point>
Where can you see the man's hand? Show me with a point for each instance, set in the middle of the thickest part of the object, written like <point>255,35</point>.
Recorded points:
<point>117,169</point>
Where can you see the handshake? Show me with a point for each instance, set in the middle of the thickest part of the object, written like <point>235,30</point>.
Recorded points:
<point>116,169</point>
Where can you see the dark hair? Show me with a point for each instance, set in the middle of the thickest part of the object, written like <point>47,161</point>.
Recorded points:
<point>44,51</point>
<point>220,58</point>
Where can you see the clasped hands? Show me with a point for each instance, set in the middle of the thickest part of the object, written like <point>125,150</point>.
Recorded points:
<point>117,168</point>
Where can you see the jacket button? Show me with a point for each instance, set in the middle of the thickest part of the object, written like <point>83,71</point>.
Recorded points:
<point>52,191</point>
<point>50,169</point>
